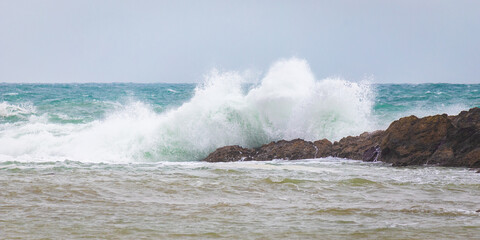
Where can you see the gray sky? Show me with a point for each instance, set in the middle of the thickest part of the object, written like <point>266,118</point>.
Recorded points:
<point>404,41</point>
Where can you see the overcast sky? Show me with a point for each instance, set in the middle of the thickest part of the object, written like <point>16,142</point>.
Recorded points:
<point>179,41</point>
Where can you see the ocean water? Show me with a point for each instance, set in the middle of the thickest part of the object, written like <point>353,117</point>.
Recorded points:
<point>121,161</point>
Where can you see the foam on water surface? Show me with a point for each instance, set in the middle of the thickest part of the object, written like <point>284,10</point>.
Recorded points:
<point>122,123</point>
<point>288,103</point>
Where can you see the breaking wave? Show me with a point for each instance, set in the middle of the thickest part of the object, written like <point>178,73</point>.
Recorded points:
<point>287,103</point>
<point>10,110</point>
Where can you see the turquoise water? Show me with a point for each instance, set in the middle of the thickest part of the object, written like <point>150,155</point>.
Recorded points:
<point>121,161</point>
<point>185,122</point>
<point>59,114</point>
<point>83,103</point>
<point>398,100</point>
<point>92,101</point>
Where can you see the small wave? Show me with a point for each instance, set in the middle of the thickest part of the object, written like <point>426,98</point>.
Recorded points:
<point>8,110</point>
<point>271,180</point>
<point>359,182</point>
<point>341,211</point>
<point>437,212</point>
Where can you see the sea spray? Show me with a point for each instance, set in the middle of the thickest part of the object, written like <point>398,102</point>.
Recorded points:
<point>13,110</point>
<point>131,123</point>
<point>123,123</point>
<point>287,103</point>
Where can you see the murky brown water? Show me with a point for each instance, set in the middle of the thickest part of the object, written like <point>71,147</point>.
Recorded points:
<point>317,199</point>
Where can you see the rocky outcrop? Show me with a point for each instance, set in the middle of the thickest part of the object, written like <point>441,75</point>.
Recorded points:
<point>413,141</point>
<point>323,148</point>
<point>439,140</point>
<point>363,147</point>
<point>231,154</point>
<point>289,150</point>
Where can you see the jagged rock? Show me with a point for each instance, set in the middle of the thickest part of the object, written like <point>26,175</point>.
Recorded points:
<point>323,148</point>
<point>441,140</point>
<point>372,154</point>
<point>468,119</point>
<point>288,150</point>
<point>356,147</point>
<point>412,140</point>
<point>230,154</point>
<point>462,144</point>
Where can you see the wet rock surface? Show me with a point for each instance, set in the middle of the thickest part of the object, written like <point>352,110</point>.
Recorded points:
<point>363,147</point>
<point>442,140</point>
<point>230,154</point>
<point>439,140</point>
<point>289,150</point>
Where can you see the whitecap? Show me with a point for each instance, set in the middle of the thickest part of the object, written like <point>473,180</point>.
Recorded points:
<point>288,103</point>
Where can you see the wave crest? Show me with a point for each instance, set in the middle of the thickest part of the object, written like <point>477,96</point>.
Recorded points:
<point>9,110</point>
<point>287,103</point>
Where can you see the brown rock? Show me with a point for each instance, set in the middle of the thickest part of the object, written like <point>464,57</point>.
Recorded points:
<point>465,139</point>
<point>323,148</point>
<point>468,119</point>
<point>411,141</point>
<point>288,150</point>
<point>471,159</point>
<point>357,147</point>
<point>230,154</point>
<point>443,154</point>
<point>441,140</point>
<point>372,154</point>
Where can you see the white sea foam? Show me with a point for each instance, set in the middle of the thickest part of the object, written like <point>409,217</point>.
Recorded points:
<point>8,110</point>
<point>288,103</point>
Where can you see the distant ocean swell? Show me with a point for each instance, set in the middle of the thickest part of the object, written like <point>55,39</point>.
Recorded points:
<point>121,123</point>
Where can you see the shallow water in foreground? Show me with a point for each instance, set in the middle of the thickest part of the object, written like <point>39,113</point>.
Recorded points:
<point>120,161</point>
<point>309,199</point>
